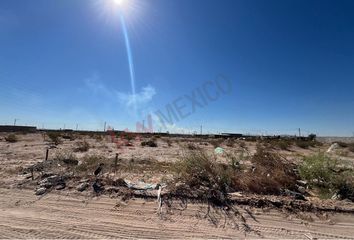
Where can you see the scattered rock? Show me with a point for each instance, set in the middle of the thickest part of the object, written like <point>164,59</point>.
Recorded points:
<point>301,189</point>
<point>60,186</point>
<point>82,187</point>
<point>41,191</point>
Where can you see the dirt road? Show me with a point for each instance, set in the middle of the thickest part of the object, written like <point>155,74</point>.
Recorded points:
<point>23,215</point>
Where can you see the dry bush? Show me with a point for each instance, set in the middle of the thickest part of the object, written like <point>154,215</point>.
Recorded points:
<point>90,162</point>
<point>203,178</point>
<point>343,144</point>
<point>192,146</point>
<point>69,136</point>
<point>230,142</point>
<point>168,141</point>
<point>271,174</point>
<point>216,142</point>
<point>82,146</point>
<point>282,144</point>
<point>242,144</point>
<point>11,138</point>
<point>66,157</point>
<point>149,143</point>
<point>304,144</point>
<point>351,147</point>
<point>55,137</point>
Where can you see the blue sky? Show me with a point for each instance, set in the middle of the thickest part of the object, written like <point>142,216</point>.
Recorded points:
<point>290,64</point>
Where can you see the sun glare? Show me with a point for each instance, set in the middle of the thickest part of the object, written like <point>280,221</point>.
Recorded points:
<point>119,2</point>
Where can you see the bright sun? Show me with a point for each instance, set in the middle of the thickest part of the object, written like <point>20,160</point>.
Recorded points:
<point>119,2</point>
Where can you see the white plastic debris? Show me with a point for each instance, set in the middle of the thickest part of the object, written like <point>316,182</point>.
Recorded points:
<point>219,150</point>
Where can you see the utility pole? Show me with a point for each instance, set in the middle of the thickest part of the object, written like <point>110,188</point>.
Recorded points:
<point>15,121</point>
<point>299,132</point>
<point>77,126</point>
<point>104,127</point>
<point>201,129</point>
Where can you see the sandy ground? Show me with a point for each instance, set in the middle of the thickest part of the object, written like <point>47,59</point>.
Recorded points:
<point>23,215</point>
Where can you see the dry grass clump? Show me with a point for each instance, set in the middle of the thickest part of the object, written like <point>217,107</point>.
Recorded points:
<point>327,176</point>
<point>82,146</point>
<point>11,138</point>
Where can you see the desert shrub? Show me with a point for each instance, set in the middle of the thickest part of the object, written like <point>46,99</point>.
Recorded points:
<point>351,147</point>
<point>272,173</point>
<point>66,157</point>
<point>191,146</point>
<point>11,138</point>
<point>169,142</point>
<point>90,162</point>
<point>69,136</point>
<point>82,146</point>
<point>242,144</point>
<point>216,142</point>
<point>230,142</point>
<point>55,137</point>
<point>127,136</point>
<point>149,143</point>
<point>203,177</point>
<point>343,144</point>
<point>318,169</point>
<point>283,144</point>
<point>327,176</point>
<point>305,144</point>
<point>235,158</point>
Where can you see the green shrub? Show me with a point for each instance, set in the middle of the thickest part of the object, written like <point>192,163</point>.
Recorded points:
<point>11,138</point>
<point>327,176</point>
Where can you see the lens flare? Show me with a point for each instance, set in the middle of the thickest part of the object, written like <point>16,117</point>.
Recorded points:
<point>130,57</point>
